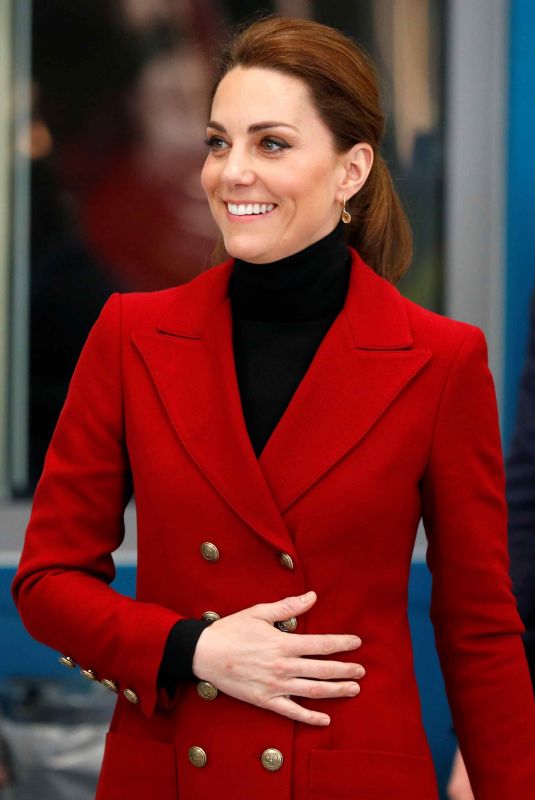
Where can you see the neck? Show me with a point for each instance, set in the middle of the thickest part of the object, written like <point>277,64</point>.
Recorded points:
<point>308,285</point>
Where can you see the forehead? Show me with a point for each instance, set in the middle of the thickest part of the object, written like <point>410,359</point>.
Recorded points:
<point>254,93</point>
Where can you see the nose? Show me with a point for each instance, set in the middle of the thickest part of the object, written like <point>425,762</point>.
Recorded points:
<point>237,168</point>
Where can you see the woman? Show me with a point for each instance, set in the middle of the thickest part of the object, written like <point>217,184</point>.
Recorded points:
<point>284,421</point>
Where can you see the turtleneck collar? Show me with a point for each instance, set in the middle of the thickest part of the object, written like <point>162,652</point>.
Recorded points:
<point>308,285</point>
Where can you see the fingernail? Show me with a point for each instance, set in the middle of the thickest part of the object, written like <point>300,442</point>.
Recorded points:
<point>354,689</point>
<point>356,641</point>
<point>306,597</point>
<point>325,720</point>
<point>360,672</point>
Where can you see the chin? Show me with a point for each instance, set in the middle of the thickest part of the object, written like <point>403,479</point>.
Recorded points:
<point>246,251</point>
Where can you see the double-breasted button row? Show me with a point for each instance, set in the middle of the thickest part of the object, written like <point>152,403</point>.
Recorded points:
<point>271,759</point>
<point>108,683</point>
<point>210,552</point>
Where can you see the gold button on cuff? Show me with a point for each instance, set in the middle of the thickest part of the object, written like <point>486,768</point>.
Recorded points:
<point>211,616</point>
<point>286,561</point>
<point>272,759</point>
<point>197,756</point>
<point>287,625</point>
<point>89,674</point>
<point>110,685</point>
<point>207,690</point>
<point>67,661</point>
<point>131,696</point>
<point>209,551</point>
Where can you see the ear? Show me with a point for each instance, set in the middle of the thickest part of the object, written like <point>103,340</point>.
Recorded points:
<point>356,164</point>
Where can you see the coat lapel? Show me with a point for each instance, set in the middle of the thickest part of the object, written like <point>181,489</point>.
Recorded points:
<point>190,359</point>
<point>363,363</point>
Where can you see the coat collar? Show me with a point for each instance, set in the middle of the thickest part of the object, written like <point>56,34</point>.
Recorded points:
<point>363,363</point>
<point>374,310</point>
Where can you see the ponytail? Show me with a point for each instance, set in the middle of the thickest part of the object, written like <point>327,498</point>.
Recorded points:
<point>379,228</point>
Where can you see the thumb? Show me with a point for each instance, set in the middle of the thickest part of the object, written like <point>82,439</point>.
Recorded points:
<point>283,609</point>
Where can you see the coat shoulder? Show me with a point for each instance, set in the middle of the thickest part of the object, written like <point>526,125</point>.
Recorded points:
<point>143,310</point>
<point>437,332</point>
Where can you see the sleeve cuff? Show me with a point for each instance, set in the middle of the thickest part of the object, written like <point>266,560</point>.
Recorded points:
<point>177,661</point>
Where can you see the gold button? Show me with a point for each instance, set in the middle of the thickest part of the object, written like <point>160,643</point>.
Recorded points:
<point>211,616</point>
<point>206,690</point>
<point>197,756</point>
<point>110,685</point>
<point>286,561</point>
<point>89,674</point>
<point>209,551</point>
<point>67,661</point>
<point>131,696</point>
<point>287,625</point>
<point>272,759</point>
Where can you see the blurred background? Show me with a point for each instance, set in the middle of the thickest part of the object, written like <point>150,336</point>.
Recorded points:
<point>103,105</point>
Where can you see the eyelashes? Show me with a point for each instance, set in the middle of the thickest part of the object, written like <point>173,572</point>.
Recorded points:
<point>269,144</point>
<point>211,141</point>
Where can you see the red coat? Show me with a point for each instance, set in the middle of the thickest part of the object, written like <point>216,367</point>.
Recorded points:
<point>395,419</point>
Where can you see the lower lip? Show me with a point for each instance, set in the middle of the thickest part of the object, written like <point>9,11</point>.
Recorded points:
<point>248,217</point>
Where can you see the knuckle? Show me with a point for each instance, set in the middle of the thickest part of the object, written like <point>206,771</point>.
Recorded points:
<point>316,690</point>
<point>327,644</point>
<point>272,683</point>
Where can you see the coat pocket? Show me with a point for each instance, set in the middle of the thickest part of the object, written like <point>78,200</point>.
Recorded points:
<point>137,769</point>
<point>370,775</point>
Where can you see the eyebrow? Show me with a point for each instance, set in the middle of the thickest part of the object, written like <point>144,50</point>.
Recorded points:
<point>258,126</point>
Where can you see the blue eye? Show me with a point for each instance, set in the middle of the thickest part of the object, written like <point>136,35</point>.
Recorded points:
<point>274,144</point>
<point>215,143</point>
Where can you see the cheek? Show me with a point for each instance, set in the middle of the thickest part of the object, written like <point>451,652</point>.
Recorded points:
<point>207,177</point>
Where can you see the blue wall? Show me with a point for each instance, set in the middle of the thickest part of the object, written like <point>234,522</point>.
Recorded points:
<point>520,201</point>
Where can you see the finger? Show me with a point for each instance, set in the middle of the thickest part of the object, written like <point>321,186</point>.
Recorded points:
<point>317,689</point>
<point>287,708</point>
<point>304,644</point>
<point>284,609</point>
<point>324,670</point>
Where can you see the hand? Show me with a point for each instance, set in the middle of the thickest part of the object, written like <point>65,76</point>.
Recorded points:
<point>246,657</point>
<point>459,784</point>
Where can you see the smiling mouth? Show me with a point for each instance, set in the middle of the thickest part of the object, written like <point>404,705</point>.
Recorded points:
<point>249,209</point>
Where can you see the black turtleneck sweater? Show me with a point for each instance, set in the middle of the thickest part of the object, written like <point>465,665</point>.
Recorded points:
<point>280,313</point>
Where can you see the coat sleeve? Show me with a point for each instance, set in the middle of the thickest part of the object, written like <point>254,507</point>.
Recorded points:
<point>520,470</point>
<point>62,586</point>
<point>476,623</point>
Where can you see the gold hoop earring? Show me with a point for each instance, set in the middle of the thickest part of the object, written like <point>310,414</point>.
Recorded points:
<point>346,216</point>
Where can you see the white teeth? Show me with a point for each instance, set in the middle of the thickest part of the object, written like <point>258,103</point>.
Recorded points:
<point>249,208</point>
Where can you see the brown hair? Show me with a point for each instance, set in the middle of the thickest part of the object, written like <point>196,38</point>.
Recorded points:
<point>344,87</point>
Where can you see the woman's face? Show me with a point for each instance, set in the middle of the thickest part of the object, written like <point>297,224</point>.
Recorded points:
<point>272,176</point>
